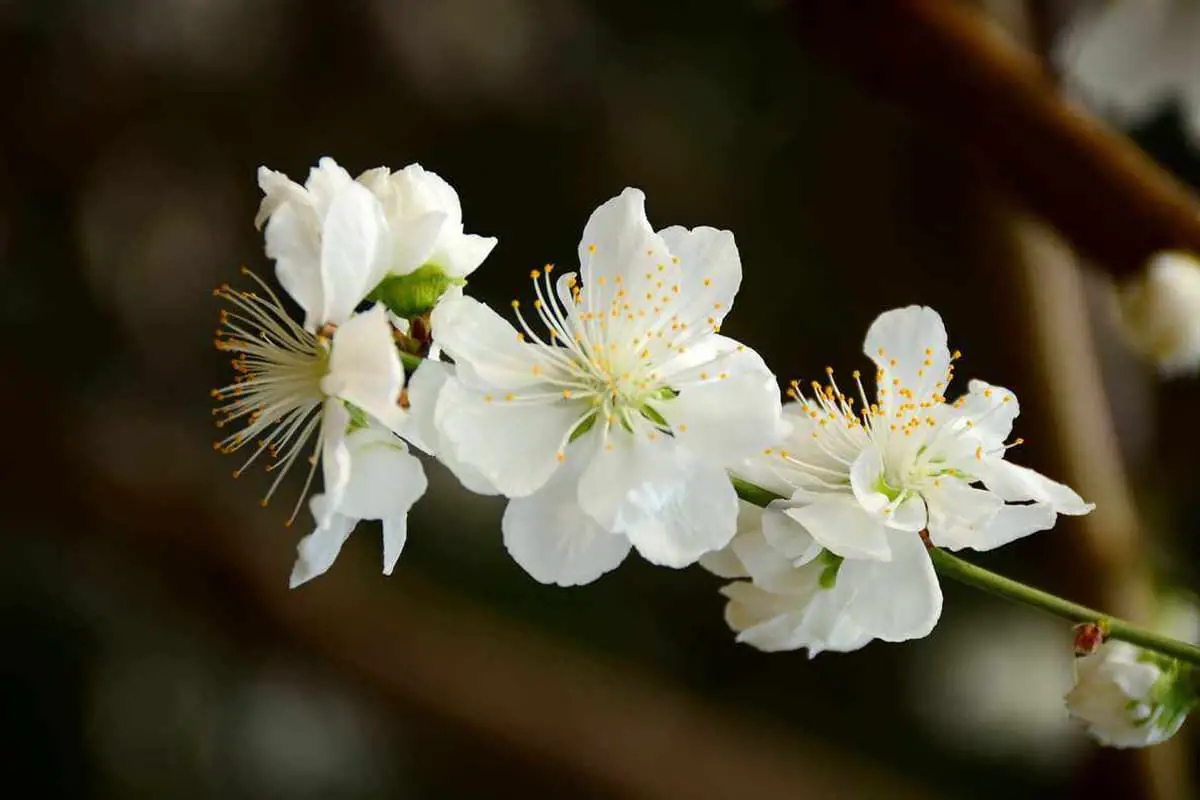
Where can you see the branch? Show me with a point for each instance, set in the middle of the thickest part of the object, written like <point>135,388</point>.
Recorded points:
<point>946,64</point>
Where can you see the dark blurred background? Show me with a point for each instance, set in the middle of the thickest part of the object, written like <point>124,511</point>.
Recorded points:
<point>150,645</point>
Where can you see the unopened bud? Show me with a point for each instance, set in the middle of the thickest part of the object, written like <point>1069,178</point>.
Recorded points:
<point>1160,312</point>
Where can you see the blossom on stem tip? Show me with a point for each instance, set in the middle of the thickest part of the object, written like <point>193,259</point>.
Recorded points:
<point>613,425</point>
<point>863,481</point>
<point>1129,697</point>
<point>292,385</point>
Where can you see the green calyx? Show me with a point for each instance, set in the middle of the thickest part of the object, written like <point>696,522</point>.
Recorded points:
<point>1174,695</point>
<point>416,293</point>
<point>832,563</point>
<point>358,418</point>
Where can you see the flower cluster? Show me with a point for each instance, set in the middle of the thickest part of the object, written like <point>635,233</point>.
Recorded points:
<point>869,481</point>
<point>614,415</point>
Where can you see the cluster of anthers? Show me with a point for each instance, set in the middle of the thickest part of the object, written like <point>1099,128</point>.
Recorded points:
<point>842,426</point>
<point>276,389</point>
<point>610,356</point>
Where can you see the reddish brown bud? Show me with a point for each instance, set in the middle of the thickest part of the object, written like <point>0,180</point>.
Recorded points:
<point>1088,637</point>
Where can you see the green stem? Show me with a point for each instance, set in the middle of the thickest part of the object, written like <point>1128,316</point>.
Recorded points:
<point>952,566</point>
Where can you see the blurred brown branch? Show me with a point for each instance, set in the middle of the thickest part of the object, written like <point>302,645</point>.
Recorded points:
<point>423,648</point>
<point>961,75</point>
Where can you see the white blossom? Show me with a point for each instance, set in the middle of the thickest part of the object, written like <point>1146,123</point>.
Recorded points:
<point>1160,312</point>
<point>1129,58</point>
<point>329,239</point>
<point>841,560</point>
<point>613,427</point>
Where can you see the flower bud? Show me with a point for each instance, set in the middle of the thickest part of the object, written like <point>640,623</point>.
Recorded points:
<point>1160,312</point>
<point>1129,697</point>
<point>416,293</point>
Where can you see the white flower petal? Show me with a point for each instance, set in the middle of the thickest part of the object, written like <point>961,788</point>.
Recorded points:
<point>461,254</point>
<point>809,616</point>
<point>992,410</point>
<point>915,351</point>
<point>353,251</point>
<point>764,620</point>
<point>395,534</point>
<point>896,600</point>
<point>413,241</point>
<point>385,479</point>
<point>843,527</point>
<point>325,182</point>
<point>551,538</point>
<point>1016,483</point>
<point>335,458</point>
<point>866,478</point>
<point>618,242</point>
<point>724,563</point>
<point>280,190</point>
<point>711,272</point>
<point>907,514</point>
<point>673,506</point>
<point>365,369</point>
<point>318,550</point>
<point>487,353</point>
<point>960,514</point>
<point>424,390</point>
<point>787,535</point>
<point>515,445</point>
<point>1013,522</point>
<point>293,240</point>
<point>726,419</point>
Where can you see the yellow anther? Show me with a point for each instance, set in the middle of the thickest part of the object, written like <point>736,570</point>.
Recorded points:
<point>708,281</point>
<point>682,427</point>
<point>535,274</point>
<point>487,398</point>
<point>591,248</point>
<point>508,397</point>
<point>567,393</point>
